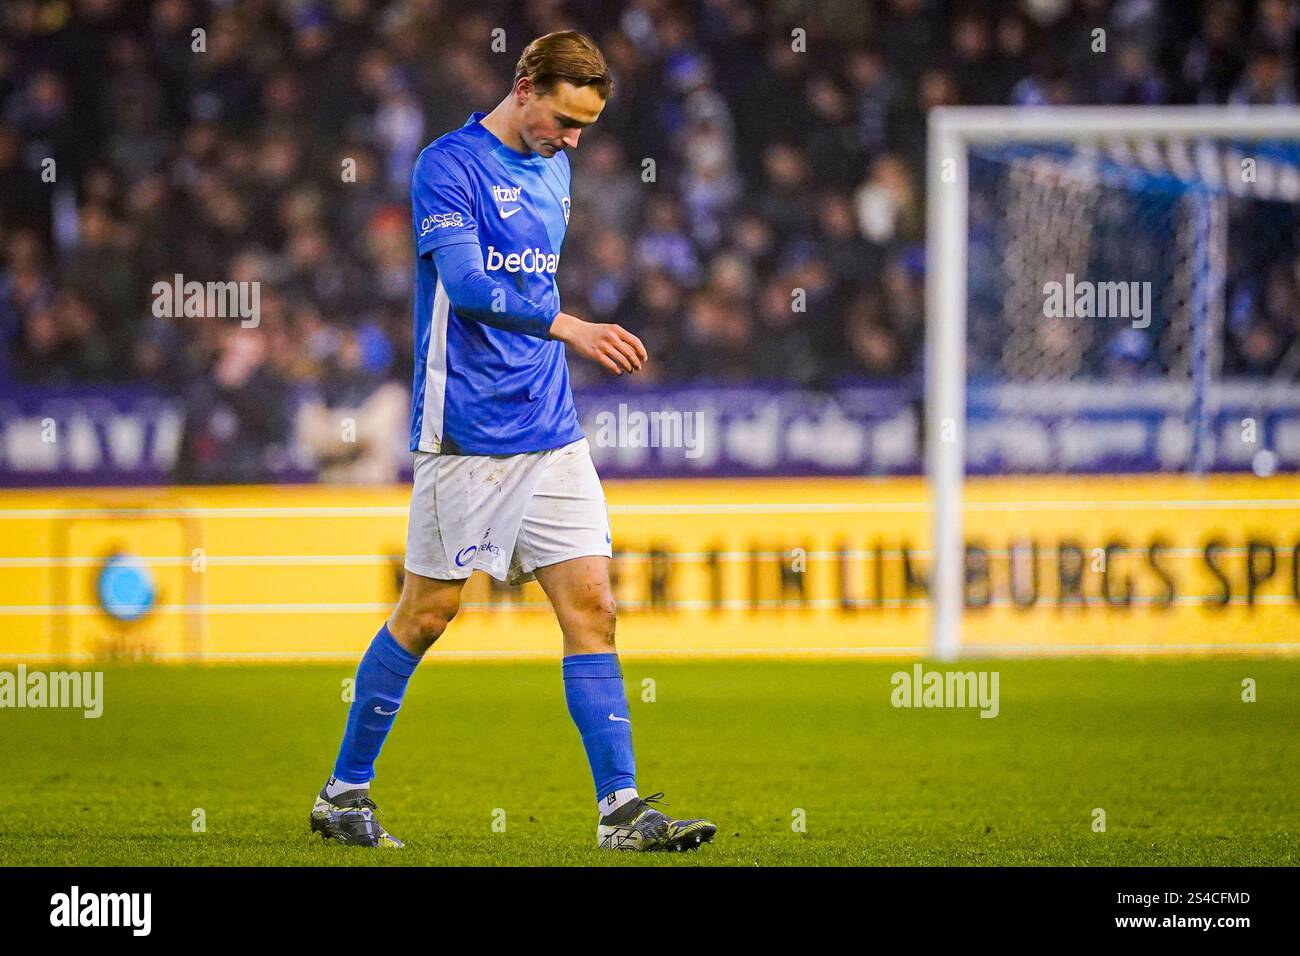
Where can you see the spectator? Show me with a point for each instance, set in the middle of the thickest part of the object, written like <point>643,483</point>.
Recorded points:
<point>354,422</point>
<point>237,425</point>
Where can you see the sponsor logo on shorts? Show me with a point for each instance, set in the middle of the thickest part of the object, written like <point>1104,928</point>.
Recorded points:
<point>464,555</point>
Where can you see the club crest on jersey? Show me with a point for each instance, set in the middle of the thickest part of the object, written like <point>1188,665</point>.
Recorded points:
<point>564,204</point>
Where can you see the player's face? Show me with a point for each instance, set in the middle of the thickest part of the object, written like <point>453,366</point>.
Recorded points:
<point>554,120</point>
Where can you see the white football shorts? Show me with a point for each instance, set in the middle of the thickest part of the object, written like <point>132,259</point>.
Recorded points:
<point>507,515</point>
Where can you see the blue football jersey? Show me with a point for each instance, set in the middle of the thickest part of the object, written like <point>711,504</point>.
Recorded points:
<point>481,390</point>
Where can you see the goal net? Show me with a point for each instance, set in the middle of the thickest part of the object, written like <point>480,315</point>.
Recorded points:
<point>1111,293</point>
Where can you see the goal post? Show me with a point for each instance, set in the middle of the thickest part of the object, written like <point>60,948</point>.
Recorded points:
<point>1161,153</point>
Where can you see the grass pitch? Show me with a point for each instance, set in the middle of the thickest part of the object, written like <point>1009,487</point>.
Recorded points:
<point>1186,772</point>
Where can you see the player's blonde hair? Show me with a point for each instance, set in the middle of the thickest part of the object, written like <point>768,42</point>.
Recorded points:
<point>565,55</point>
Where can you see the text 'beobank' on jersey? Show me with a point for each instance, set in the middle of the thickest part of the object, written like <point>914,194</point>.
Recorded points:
<point>481,390</point>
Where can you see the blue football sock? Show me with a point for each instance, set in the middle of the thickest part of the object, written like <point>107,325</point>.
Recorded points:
<point>382,675</point>
<point>593,688</point>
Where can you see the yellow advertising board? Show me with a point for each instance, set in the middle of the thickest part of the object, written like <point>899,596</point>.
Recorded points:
<point>709,567</point>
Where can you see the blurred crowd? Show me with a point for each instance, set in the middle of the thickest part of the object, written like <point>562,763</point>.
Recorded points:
<point>733,167</point>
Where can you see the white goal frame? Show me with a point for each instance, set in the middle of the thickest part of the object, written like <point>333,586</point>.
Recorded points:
<point>952,129</point>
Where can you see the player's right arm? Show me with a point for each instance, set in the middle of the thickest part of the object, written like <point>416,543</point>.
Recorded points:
<point>446,229</point>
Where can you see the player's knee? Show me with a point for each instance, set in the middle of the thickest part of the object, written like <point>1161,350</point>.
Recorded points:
<point>424,624</point>
<point>599,614</point>
<point>433,620</point>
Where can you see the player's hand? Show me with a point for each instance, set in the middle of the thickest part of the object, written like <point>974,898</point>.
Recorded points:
<point>611,345</point>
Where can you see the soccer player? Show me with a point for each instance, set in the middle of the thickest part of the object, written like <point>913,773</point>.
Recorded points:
<point>503,475</point>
